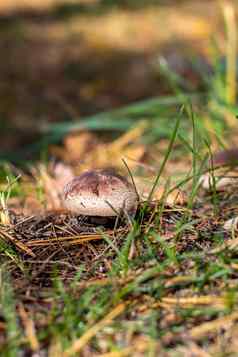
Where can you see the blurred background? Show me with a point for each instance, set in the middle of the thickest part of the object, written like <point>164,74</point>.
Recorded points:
<point>150,88</point>
<point>73,64</point>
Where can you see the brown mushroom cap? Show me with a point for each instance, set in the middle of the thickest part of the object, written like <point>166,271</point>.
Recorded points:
<point>100,193</point>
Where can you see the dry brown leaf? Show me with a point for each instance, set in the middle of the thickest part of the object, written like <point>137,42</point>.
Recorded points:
<point>62,174</point>
<point>176,197</point>
<point>208,182</point>
<point>32,205</point>
<point>88,153</point>
<point>111,154</point>
<point>52,193</point>
<point>76,147</point>
<point>53,184</point>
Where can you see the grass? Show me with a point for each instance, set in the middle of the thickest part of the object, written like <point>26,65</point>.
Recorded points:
<point>145,287</point>
<point>8,308</point>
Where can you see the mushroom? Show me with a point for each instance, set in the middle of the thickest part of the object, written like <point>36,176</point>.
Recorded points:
<point>102,193</point>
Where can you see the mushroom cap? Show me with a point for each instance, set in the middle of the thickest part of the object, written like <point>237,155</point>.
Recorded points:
<point>100,193</point>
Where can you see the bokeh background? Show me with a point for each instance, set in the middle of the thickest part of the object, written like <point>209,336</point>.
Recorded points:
<point>63,61</point>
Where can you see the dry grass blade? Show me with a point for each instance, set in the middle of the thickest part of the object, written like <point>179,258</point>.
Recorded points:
<point>229,244</point>
<point>196,300</point>
<point>230,21</point>
<point>7,237</point>
<point>179,280</point>
<point>55,349</point>
<point>193,349</point>
<point>130,136</point>
<point>29,328</point>
<point>123,353</point>
<point>81,239</point>
<point>207,327</point>
<point>91,332</point>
